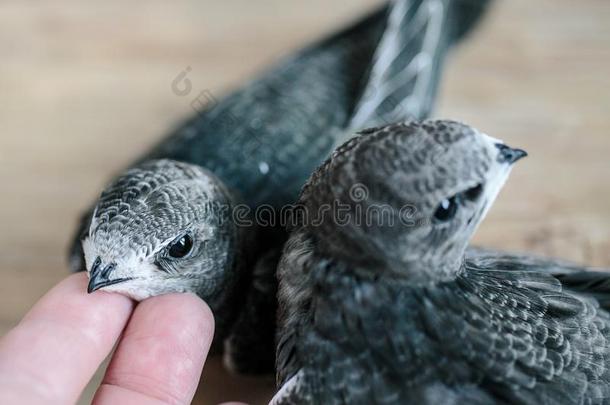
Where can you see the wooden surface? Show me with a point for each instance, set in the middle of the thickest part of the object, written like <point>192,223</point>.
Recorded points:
<point>85,88</point>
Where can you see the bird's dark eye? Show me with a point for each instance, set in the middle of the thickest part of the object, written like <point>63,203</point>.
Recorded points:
<point>473,194</point>
<point>446,209</point>
<point>181,247</point>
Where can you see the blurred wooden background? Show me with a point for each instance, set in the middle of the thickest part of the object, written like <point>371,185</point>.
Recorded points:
<point>85,88</point>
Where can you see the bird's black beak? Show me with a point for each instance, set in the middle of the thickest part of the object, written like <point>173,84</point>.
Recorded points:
<point>508,154</point>
<point>99,276</point>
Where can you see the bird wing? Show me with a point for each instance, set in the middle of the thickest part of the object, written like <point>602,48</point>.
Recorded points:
<point>404,72</point>
<point>576,278</point>
<point>550,344</point>
<point>403,76</point>
<point>517,336</point>
<point>486,258</point>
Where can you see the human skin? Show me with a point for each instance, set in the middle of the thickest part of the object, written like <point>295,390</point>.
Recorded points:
<point>161,346</point>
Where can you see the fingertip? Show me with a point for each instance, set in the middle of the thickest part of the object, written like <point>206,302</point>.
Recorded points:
<point>66,324</point>
<point>188,308</point>
<point>163,348</point>
<point>73,291</point>
<point>98,315</point>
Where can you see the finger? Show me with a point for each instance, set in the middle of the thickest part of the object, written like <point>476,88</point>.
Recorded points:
<point>53,352</point>
<point>161,355</point>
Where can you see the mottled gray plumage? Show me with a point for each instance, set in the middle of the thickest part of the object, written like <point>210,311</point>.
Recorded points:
<point>257,146</point>
<point>373,313</point>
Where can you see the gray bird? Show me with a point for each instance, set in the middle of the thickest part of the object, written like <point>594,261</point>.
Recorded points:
<point>380,305</point>
<point>168,223</point>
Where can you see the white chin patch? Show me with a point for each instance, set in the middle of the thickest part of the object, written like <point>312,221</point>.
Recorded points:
<point>142,288</point>
<point>494,186</point>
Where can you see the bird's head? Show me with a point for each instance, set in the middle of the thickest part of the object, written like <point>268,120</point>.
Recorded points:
<point>162,227</point>
<point>417,190</point>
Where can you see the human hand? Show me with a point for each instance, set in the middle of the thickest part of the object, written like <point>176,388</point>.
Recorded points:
<point>54,351</point>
